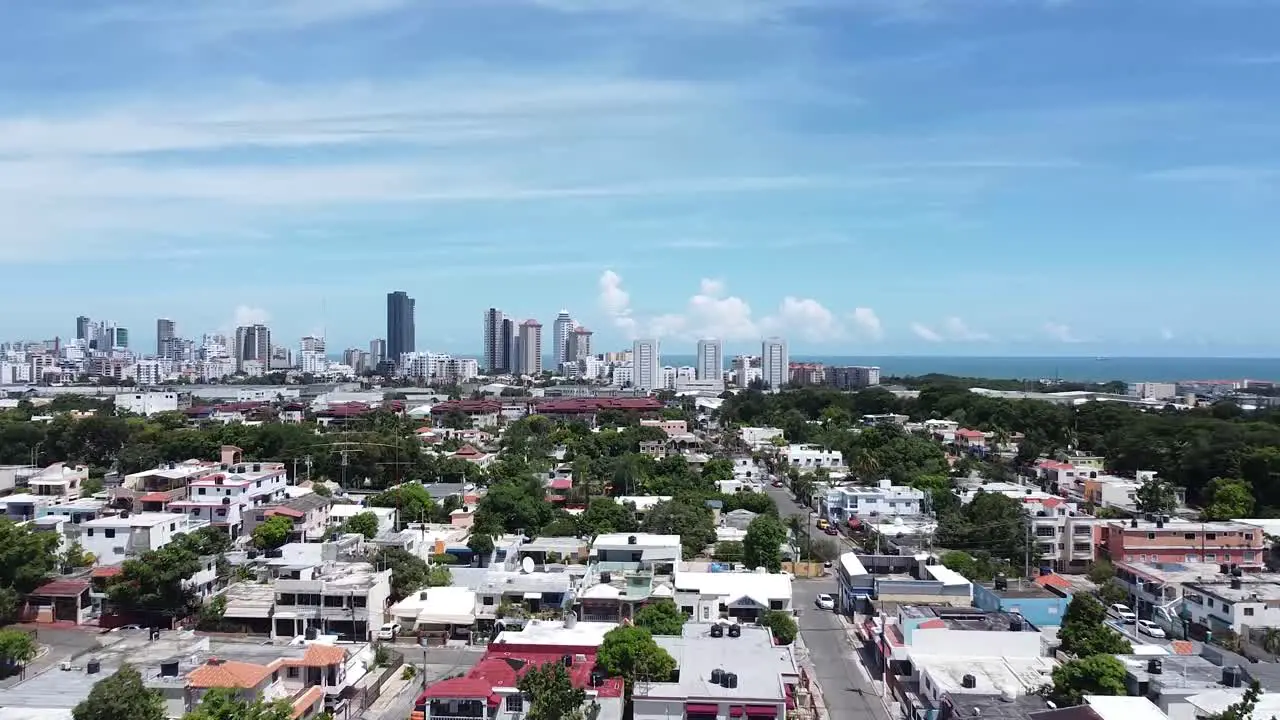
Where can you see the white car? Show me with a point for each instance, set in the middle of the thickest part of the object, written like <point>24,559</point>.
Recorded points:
<point>1123,612</point>
<point>825,602</point>
<point>389,631</point>
<point>1147,627</point>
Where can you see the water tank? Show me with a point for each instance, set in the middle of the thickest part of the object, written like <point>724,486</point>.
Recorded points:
<point>1232,676</point>
<point>1237,583</point>
<point>969,681</point>
<point>1001,582</point>
<point>1015,624</point>
<point>716,675</point>
<point>731,680</point>
<point>597,678</point>
<point>226,500</point>
<point>606,578</point>
<point>735,631</point>
<point>717,630</point>
<point>1224,569</point>
<point>312,633</point>
<point>124,514</point>
<point>1154,666</point>
<point>93,667</point>
<point>253,554</point>
<point>631,539</point>
<point>169,668</point>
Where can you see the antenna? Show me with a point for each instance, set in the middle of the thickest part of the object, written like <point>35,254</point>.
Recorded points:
<point>526,565</point>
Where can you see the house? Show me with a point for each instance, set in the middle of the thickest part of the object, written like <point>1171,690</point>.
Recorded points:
<point>710,596</point>
<point>474,456</point>
<point>309,514</point>
<point>624,571</point>
<point>480,413</point>
<point>223,497</point>
<point>807,458</point>
<point>114,538</point>
<point>154,489</point>
<point>759,437</point>
<point>1180,541</point>
<point>585,409</point>
<point>339,513</point>
<point>725,670</point>
<point>1043,604</point>
<point>1232,605</point>
<point>436,610</point>
<point>59,481</point>
<point>60,601</point>
<point>1066,536</point>
<point>886,499</point>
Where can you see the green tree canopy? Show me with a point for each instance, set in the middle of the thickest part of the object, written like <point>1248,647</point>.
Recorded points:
<point>409,573</point>
<point>26,557</point>
<point>691,521</point>
<point>1227,499</point>
<point>411,500</point>
<point>782,624</point>
<point>1092,675</point>
<point>518,505</point>
<point>660,618</point>
<point>17,647</point>
<point>227,704</point>
<point>604,515</point>
<point>1084,633</point>
<point>121,696</point>
<point>629,652</point>
<point>762,545</point>
<point>272,532</point>
<point>552,694</point>
<point>365,523</point>
<point>1157,496</point>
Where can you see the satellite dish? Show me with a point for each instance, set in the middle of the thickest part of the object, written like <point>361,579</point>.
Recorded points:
<point>527,565</point>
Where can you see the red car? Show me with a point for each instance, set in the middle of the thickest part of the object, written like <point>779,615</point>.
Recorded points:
<point>777,483</point>
<point>831,530</point>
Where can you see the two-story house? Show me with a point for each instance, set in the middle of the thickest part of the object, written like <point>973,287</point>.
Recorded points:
<point>222,498</point>
<point>113,538</point>
<point>59,481</point>
<point>807,458</point>
<point>347,599</point>
<point>624,571</point>
<point>883,500</point>
<point>309,514</point>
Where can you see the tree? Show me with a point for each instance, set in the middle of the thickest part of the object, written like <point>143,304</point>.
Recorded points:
<point>782,624</point>
<point>74,557</point>
<point>17,648</point>
<point>1093,675</point>
<point>717,470</point>
<point>481,543</point>
<point>364,523</point>
<point>605,515</point>
<point>1101,572</point>
<point>660,618</point>
<point>1228,499</point>
<point>272,533</point>
<point>630,653</point>
<point>412,502</point>
<point>321,489</point>
<point>552,694</point>
<point>1244,707</point>
<point>762,545</point>
<point>518,505</point>
<point>728,551</point>
<point>227,704</point>
<point>155,582</point>
<point>409,573</point>
<point>1156,497</point>
<point>121,696</point>
<point>961,562</point>
<point>1113,591</point>
<point>1084,632</point>
<point>26,557</point>
<point>691,521</point>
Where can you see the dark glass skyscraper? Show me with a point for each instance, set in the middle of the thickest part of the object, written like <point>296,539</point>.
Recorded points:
<point>400,328</point>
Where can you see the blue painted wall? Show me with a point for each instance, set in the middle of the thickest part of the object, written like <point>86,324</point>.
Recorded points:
<point>1041,611</point>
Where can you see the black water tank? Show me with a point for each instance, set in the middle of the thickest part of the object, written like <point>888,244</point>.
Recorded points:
<point>312,633</point>
<point>567,660</point>
<point>969,681</point>
<point>169,668</point>
<point>1224,569</point>
<point>606,578</point>
<point>1232,676</point>
<point>93,667</point>
<point>597,679</point>
<point>716,675</point>
<point>731,680</point>
<point>717,630</point>
<point>631,539</point>
<point>735,630</point>
<point>1237,583</point>
<point>1015,624</point>
<point>1154,666</point>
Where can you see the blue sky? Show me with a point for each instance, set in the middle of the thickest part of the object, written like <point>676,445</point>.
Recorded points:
<point>863,176</point>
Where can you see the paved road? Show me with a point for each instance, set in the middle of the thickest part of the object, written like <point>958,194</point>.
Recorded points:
<point>787,506</point>
<point>844,687</point>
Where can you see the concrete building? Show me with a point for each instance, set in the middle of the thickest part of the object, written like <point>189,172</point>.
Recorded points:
<point>401,327</point>
<point>807,458</point>
<point>886,499</point>
<point>775,363</point>
<point>1181,541</point>
<point>166,332</point>
<point>578,346</point>
<point>1153,390</point>
<point>853,377</point>
<point>309,514</point>
<point>759,437</point>
<point>59,482</point>
<point>1041,602</point>
<point>147,403</point>
<point>222,498</point>
<point>646,365</point>
<point>497,344</point>
<point>114,538</point>
<point>253,345</point>
<point>560,330</point>
<point>530,347</point>
<point>1233,605</point>
<point>710,362</point>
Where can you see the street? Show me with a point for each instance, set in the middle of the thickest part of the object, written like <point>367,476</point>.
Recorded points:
<point>845,689</point>
<point>433,664</point>
<point>787,507</point>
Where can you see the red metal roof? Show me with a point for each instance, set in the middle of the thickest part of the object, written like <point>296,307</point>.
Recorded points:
<point>107,571</point>
<point>1053,580</point>
<point>560,484</point>
<point>470,407</point>
<point>596,404</point>
<point>287,512</point>
<point>155,497</point>
<point>62,588</point>
<point>503,668</point>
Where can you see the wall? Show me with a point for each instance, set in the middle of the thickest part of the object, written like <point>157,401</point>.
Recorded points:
<point>962,643</point>
<point>1041,611</point>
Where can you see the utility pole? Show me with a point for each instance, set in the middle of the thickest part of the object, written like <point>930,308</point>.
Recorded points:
<point>1027,553</point>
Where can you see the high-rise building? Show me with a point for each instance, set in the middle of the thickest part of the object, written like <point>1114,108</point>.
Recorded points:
<point>710,363</point>
<point>564,325</point>
<point>377,350</point>
<point>775,364</point>
<point>400,327</point>
<point>82,328</point>
<point>119,337</point>
<point>166,331</point>
<point>497,343</point>
<point>578,345</point>
<point>253,343</point>
<point>531,347</point>
<point>646,365</point>
<point>853,377</point>
<point>313,344</point>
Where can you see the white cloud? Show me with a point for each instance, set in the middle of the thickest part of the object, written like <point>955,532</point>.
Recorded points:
<point>1166,334</point>
<point>924,332</point>
<point>867,324</point>
<point>1061,333</point>
<point>713,312</point>
<point>247,315</point>
<point>953,329</point>
<point>214,19</point>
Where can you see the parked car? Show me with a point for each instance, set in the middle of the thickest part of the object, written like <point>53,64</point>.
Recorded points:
<point>777,483</point>
<point>823,524</point>
<point>1146,627</point>
<point>830,530</point>
<point>388,631</point>
<point>825,602</point>
<point>1123,612</point>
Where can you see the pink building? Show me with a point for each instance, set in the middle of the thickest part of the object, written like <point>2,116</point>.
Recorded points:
<point>1180,541</point>
<point>672,428</point>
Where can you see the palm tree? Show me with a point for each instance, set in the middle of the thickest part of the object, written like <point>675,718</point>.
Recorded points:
<point>865,465</point>
<point>1271,640</point>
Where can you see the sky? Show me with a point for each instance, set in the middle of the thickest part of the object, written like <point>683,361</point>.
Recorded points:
<point>951,177</point>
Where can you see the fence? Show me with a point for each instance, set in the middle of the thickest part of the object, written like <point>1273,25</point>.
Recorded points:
<point>371,692</point>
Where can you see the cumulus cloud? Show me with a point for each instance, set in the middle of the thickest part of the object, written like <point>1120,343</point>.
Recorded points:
<point>953,329</point>
<point>247,315</point>
<point>866,323</point>
<point>1061,333</point>
<point>713,312</point>
<point>1166,334</point>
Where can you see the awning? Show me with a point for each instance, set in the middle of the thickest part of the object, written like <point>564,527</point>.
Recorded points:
<point>533,596</point>
<point>736,711</point>
<point>443,616</point>
<point>701,709</point>
<point>759,711</point>
<point>249,609</point>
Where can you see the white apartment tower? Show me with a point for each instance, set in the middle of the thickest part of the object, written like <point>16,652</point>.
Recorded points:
<point>775,365</point>
<point>531,347</point>
<point>646,364</point>
<point>312,344</point>
<point>710,365</point>
<point>564,325</point>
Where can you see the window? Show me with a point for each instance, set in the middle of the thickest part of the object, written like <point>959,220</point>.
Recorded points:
<point>173,526</point>
<point>1248,536</point>
<point>488,599</point>
<point>1210,557</point>
<point>1151,536</point>
<point>358,601</point>
<point>90,532</point>
<point>775,604</point>
<point>199,491</point>
<point>110,532</point>
<point>1189,536</point>
<point>333,601</point>
<point>1211,536</point>
<point>515,703</point>
<point>291,672</point>
<point>1248,611</point>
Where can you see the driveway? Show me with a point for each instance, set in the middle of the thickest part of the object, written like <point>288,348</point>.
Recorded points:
<point>844,686</point>
<point>433,664</point>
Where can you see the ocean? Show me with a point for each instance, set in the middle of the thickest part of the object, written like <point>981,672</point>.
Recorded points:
<point>1079,369</point>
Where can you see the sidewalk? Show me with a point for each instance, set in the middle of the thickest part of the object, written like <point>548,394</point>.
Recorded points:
<point>860,649</point>
<point>802,659</point>
<point>393,692</point>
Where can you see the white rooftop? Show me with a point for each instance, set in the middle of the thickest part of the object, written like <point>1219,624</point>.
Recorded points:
<point>554,632</point>
<point>142,519</point>
<point>620,541</point>
<point>438,606</point>
<point>762,668</point>
<point>992,675</point>
<point>1213,702</point>
<point>1134,708</point>
<point>760,587</point>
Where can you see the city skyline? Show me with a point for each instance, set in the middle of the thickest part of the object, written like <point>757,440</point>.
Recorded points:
<point>877,177</point>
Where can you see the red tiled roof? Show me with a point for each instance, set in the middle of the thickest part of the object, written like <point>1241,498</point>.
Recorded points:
<point>503,668</point>
<point>470,407</point>
<point>560,484</point>
<point>969,433</point>
<point>1053,580</point>
<point>155,497</point>
<point>596,404</point>
<point>934,624</point>
<point>217,673</point>
<point>467,451</point>
<point>62,588</point>
<point>287,512</point>
<point>106,571</point>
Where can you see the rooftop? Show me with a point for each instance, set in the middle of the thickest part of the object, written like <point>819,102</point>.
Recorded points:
<point>133,520</point>
<point>992,675</point>
<point>762,668</point>
<point>596,404</point>
<point>1022,589</point>
<point>1188,672</point>
<point>643,541</point>
<point>964,618</point>
<point>557,632</point>
<point>503,666</point>
<point>1183,573</point>
<point>760,587</point>
<point>513,582</point>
